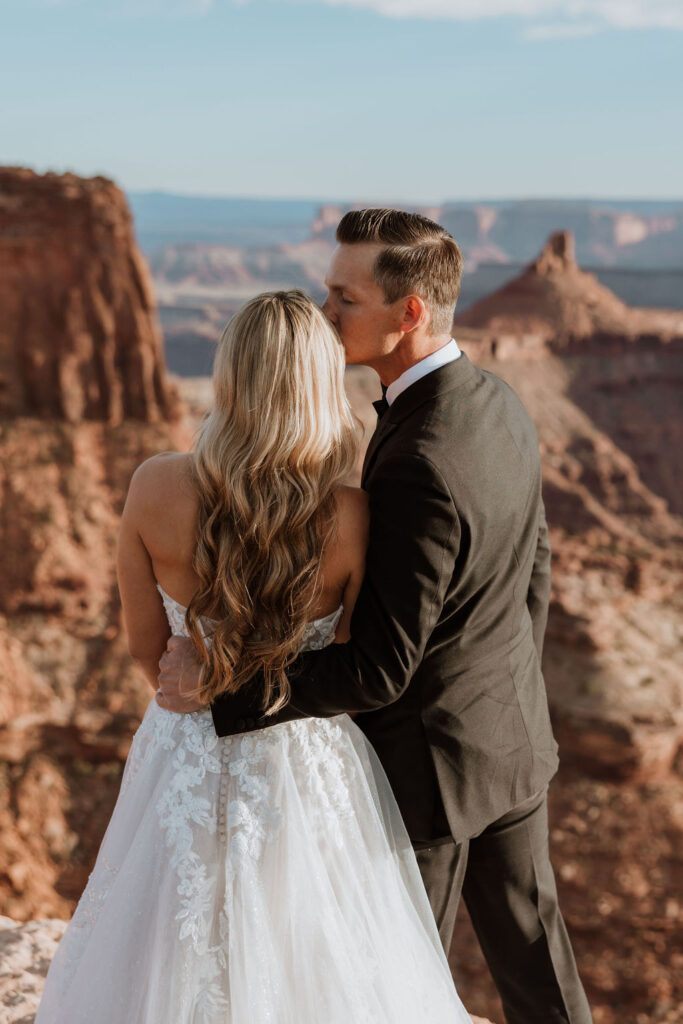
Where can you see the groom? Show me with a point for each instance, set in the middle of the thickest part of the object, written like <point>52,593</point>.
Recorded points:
<point>447,632</point>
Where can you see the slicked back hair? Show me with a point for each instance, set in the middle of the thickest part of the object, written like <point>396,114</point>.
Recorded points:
<point>420,258</point>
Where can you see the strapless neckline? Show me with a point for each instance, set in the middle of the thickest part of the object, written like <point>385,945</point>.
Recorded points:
<point>316,623</point>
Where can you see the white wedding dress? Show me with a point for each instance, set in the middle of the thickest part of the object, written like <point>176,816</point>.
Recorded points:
<point>264,878</point>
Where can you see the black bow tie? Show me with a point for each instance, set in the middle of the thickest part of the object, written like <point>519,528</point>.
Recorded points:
<point>381,405</point>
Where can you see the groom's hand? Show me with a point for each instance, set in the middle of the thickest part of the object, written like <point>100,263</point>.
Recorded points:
<point>179,673</point>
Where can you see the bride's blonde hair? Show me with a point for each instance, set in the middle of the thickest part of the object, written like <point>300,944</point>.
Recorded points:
<point>279,440</point>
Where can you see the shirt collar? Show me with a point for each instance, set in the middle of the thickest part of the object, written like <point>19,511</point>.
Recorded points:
<point>446,354</point>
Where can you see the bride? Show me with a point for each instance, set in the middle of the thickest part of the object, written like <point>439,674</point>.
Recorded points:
<point>266,878</point>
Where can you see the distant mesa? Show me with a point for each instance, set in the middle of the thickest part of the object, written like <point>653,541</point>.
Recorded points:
<point>554,301</point>
<point>79,338</point>
<point>607,233</point>
<point>325,223</point>
<point>558,255</point>
<point>624,364</point>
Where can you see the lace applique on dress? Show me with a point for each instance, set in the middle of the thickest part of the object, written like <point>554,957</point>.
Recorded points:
<point>183,809</point>
<point>247,815</point>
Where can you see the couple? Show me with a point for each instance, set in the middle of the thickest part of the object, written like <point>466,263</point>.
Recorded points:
<point>270,860</point>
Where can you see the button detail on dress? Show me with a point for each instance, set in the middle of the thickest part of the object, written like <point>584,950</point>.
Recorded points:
<point>222,809</point>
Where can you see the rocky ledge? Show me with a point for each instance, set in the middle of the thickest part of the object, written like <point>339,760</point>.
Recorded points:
<point>25,954</point>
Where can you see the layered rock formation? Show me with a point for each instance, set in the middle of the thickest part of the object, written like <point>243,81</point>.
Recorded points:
<point>85,399</point>
<point>624,366</point>
<point>79,338</point>
<point>601,382</point>
<point>556,302</point>
<point>210,272</point>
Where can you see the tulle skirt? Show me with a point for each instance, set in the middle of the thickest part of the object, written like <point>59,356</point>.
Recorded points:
<point>258,879</point>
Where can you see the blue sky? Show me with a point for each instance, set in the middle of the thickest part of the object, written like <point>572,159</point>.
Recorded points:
<point>375,100</point>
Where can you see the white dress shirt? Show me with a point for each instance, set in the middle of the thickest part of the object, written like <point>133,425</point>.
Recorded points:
<point>443,355</point>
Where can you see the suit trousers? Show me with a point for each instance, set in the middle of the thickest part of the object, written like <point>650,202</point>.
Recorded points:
<point>507,881</point>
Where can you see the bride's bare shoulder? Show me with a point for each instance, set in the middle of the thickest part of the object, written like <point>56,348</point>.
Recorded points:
<point>163,478</point>
<point>351,500</point>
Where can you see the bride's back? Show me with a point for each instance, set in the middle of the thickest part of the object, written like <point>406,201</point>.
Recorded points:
<point>168,522</point>
<point>255,529</point>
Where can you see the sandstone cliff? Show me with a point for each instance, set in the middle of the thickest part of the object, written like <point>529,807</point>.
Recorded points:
<point>601,382</point>
<point>561,304</point>
<point>85,398</point>
<point>624,366</point>
<point>79,338</point>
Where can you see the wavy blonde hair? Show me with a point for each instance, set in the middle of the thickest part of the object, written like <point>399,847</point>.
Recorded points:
<point>268,458</point>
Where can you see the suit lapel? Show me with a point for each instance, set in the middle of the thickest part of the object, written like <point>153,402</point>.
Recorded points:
<point>385,427</point>
<point>445,378</point>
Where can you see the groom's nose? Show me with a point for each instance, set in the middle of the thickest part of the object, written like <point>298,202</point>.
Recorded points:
<point>329,311</point>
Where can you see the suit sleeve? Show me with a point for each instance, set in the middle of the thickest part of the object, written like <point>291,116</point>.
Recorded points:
<point>414,541</point>
<point>538,596</point>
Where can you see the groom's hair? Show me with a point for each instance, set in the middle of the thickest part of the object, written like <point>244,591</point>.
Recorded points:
<point>420,258</point>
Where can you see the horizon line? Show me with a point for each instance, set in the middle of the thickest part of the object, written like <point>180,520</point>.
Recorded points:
<point>332,201</point>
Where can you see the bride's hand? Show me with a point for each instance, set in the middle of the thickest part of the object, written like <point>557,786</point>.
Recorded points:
<point>179,673</point>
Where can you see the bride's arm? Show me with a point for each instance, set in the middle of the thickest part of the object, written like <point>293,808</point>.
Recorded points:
<point>146,624</point>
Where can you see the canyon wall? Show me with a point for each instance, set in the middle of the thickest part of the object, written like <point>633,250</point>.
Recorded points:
<point>84,398</point>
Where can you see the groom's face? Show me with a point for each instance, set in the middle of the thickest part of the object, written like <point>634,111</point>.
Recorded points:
<point>356,304</point>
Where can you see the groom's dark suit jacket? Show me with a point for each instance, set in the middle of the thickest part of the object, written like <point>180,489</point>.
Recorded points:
<point>447,632</point>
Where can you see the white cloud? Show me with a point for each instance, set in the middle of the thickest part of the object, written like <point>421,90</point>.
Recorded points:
<point>542,19</point>
<point>550,17</point>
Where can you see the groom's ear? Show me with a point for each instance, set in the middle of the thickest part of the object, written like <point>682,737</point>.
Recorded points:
<point>415,313</point>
